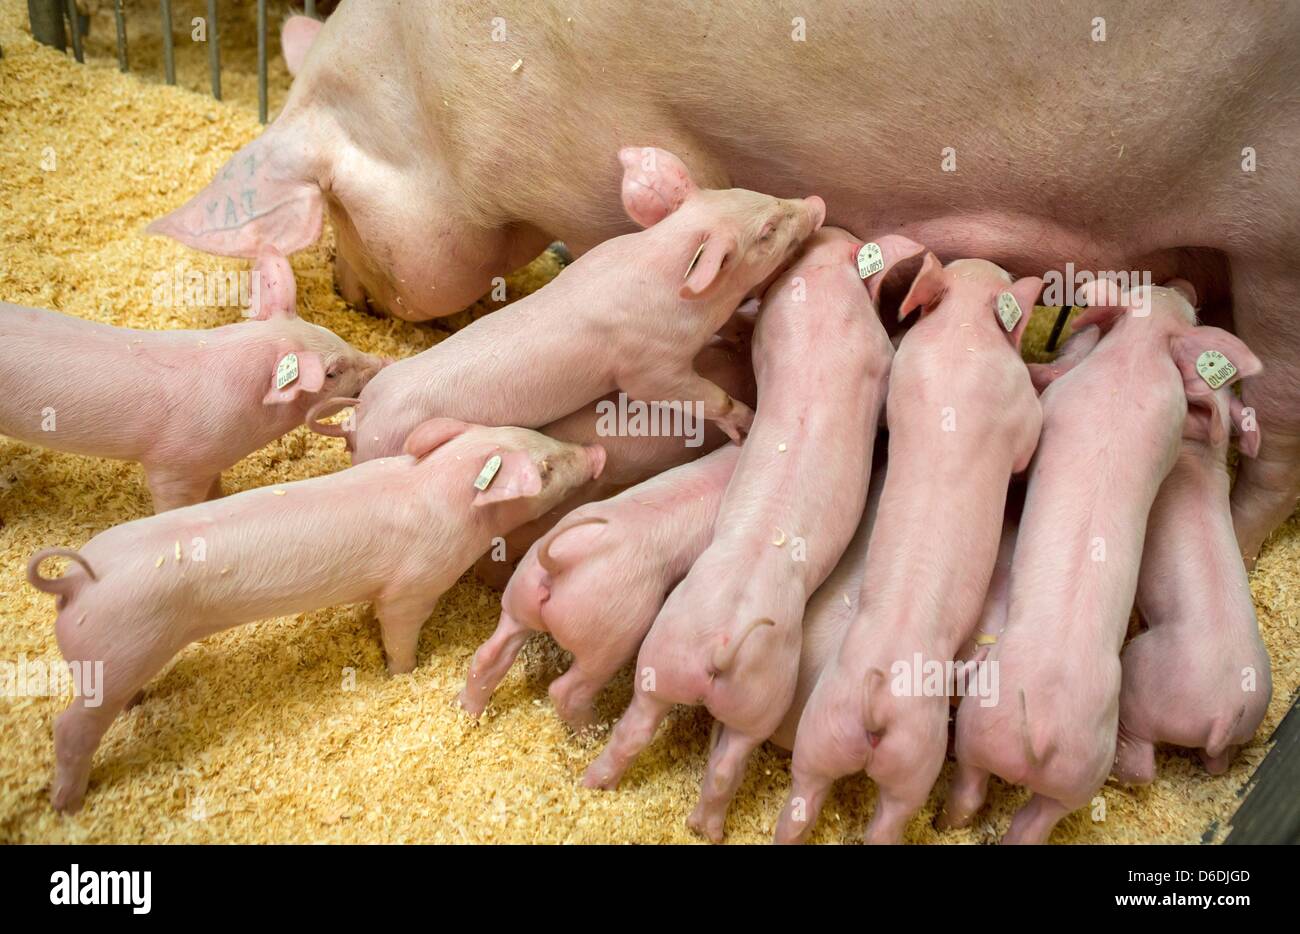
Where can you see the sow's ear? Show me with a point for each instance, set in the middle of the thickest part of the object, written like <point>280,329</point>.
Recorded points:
<point>517,478</point>
<point>263,196</point>
<point>310,378</point>
<point>277,292</point>
<point>427,436</point>
<point>296,37</point>
<point>655,183</point>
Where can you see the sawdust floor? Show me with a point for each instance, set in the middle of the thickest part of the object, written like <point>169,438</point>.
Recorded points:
<point>253,736</point>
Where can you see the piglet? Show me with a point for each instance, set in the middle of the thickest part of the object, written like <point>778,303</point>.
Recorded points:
<point>397,531</point>
<point>1199,675</point>
<point>1111,434</point>
<point>630,314</point>
<point>596,582</point>
<point>729,636</point>
<point>184,404</point>
<point>630,458</point>
<point>963,417</point>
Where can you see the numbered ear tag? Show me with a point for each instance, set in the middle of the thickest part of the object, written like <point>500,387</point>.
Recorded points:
<point>287,371</point>
<point>1009,312</point>
<point>488,473</point>
<point>870,260</point>
<point>1215,368</point>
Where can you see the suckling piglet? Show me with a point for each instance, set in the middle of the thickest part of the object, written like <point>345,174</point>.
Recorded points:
<point>630,458</point>
<point>1198,676</point>
<point>729,635</point>
<point>1112,430</point>
<point>184,404</point>
<point>630,314</point>
<point>597,580</point>
<point>963,418</point>
<point>138,593</point>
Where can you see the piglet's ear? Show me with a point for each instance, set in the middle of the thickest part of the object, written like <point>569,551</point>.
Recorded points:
<point>1080,344</point>
<point>517,478</point>
<point>894,250</point>
<point>1026,292</point>
<point>428,435</point>
<point>285,386</point>
<point>1211,360</point>
<point>655,183</point>
<point>1226,352</point>
<point>710,264</point>
<point>927,288</point>
<point>296,38</point>
<point>1245,426</point>
<point>1105,302</point>
<point>275,291</point>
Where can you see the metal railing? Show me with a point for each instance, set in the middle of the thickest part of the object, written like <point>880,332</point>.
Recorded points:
<point>54,21</point>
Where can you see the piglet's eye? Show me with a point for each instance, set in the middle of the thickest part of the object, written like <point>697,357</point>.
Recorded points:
<point>768,229</point>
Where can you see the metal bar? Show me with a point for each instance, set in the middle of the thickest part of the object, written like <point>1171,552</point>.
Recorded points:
<point>1057,326</point>
<point>311,8</point>
<point>261,60</point>
<point>169,57</point>
<point>120,17</point>
<point>76,30</point>
<point>46,17</point>
<point>214,49</point>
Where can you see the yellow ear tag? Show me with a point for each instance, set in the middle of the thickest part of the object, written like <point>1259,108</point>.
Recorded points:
<point>1215,368</point>
<point>1009,312</point>
<point>488,473</point>
<point>871,260</point>
<point>287,371</point>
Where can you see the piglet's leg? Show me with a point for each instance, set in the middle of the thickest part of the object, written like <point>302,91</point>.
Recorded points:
<point>173,488</point>
<point>77,732</point>
<point>632,734</point>
<point>807,796</point>
<point>574,694</point>
<point>491,662</point>
<point>970,786</point>
<point>689,388</point>
<point>1135,759</point>
<point>400,622</point>
<point>1033,823</point>
<point>725,772</point>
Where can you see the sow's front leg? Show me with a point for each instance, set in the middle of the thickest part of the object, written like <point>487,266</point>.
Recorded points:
<point>1268,486</point>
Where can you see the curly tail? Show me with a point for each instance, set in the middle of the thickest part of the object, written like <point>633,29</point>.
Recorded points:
<point>325,409</point>
<point>544,553</point>
<point>725,655</point>
<point>62,587</point>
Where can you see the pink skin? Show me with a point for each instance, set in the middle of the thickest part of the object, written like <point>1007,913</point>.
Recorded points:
<point>729,636</point>
<point>631,314</point>
<point>441,167</point>
<point>296,38</point>
<point>1199,675</point>
<point>1089,489</point>
<point>185,404</point>
<point>597,581</point>
<point>129,602</point>
<point>630,459</point>
<point>963,417</point>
